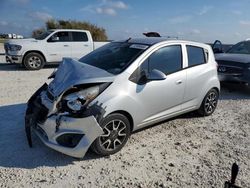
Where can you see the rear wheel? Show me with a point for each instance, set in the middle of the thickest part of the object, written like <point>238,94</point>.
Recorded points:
<point>116,128</point>
<point>33,61</point>
<point>209,103</point>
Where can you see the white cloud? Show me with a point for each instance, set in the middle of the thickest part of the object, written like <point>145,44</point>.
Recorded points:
<point>3,23</point>
<point>245,22</point>
<point>107,7</point>
<point>108,11</point>
<point>119,5</point>
<point>205,10</point>
<point>40,16</point>
<point>180,19</point>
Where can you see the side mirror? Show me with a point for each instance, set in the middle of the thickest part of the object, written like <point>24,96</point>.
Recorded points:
<point>53,39</point>
<point>154,75</point>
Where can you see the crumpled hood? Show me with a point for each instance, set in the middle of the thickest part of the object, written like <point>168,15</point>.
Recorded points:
<point>72,72</point>
<point>242,58</point>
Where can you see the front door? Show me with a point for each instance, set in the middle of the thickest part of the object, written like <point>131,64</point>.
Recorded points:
<point>161,98</point>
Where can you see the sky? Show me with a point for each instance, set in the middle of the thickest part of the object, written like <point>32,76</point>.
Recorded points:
<point>198,20</point>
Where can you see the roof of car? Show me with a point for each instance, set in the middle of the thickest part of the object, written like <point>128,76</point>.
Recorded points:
<point>146,40</point>
<point>150,41</point>
<point>81,30</point>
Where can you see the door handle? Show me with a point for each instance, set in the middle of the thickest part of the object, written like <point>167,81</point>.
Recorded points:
<point>178,82</point>
<point>66,45</point>
<point>86,45</point>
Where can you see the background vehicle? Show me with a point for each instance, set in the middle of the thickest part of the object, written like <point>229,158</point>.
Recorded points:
<point>50,47</point>
<point>119,88</point>
<point>233,64</point>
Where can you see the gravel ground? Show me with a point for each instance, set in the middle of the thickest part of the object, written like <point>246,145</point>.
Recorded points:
<point>187,151</point>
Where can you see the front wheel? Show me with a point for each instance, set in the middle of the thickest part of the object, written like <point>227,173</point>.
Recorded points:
<point>116,128</point>
<point>33,61</point>
<point>209,103</point>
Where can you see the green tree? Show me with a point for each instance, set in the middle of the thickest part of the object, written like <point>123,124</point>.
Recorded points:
<point>38,32</point>
<point>98,33</point>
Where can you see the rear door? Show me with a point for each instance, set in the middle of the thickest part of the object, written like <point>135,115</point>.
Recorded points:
<point>198,72</point>
<point>58,46</point>
<point>80,45</point>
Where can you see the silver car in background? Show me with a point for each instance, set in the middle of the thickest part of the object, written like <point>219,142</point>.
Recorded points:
<point>121,87</point>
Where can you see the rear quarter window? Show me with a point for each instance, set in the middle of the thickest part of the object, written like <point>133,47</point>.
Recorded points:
<point>196,56</point>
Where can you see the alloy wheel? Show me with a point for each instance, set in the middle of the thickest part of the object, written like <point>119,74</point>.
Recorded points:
<point>211,102</point>
<point>114,135</point>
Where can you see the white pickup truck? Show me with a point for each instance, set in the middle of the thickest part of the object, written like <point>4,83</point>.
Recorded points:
<point>50,47</point>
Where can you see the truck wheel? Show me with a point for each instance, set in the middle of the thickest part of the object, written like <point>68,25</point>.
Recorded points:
<point>33,61</point>
<point>209,103</point>
<point>116,128</point>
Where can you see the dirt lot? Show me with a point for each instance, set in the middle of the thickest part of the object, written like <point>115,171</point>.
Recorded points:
<point>187,151</point>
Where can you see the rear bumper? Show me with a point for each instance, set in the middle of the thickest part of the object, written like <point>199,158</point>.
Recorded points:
<point>68,135</point>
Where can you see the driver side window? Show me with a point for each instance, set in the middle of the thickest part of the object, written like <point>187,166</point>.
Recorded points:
<point>167,59</point>
<point>59,37</point>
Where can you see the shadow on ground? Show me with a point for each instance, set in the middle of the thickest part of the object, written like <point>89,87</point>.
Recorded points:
<point>14,149</point>
<point>234,91</point>
<point>14,67</point>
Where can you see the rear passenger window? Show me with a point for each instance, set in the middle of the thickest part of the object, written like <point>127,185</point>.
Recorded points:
<point>79,36</point>
<point>196,56</point>
<point>167,59</point>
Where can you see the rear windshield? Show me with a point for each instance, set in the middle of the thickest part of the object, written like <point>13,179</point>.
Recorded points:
<point>114,57</point>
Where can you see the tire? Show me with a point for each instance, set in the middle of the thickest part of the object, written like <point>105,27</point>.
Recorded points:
<point>209,103</point>
<point>33,61</point>
<point>116,129</point>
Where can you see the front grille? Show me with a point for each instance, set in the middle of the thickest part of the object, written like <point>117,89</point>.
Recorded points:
<point>6,47</point>
<point>230,69</point>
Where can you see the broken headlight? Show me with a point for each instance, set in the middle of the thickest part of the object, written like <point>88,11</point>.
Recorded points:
<point>78,100</point>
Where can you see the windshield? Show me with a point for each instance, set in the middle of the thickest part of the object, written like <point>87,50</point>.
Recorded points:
<point>240,48</point>
<point>43,35</point>
<point>114,57</point>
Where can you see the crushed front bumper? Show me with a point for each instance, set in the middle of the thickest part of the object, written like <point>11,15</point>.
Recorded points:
<point>68,135</point>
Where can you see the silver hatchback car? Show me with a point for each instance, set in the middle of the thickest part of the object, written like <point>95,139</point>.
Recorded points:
<point>98,101</point>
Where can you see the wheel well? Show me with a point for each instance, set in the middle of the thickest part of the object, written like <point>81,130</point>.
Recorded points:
<point>127,115</point>
<point>217,89</point>
<point>35,51</point>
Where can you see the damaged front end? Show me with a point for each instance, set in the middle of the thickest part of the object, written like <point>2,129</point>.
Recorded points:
<point>67,122</point>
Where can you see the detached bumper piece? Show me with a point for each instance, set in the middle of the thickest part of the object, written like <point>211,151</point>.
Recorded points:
<point>34,108</point>
<point>68,135</point>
